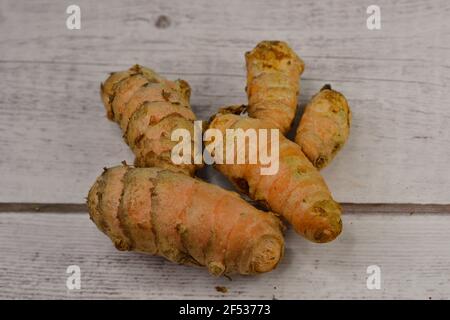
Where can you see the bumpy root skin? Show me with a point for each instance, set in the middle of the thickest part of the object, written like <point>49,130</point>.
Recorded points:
<point>204,226</point>
<point>297,191</point>
<point>324,127</point>
<point>273,74</point>
<point>148,108</point>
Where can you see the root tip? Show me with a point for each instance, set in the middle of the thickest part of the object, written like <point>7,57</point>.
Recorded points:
<point>266,254</point>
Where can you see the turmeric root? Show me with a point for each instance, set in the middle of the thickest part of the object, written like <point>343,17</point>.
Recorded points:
<point>297,191</point>
<point>148,108</point>
<point>273,73</point>
<point>201,225</point>
<point>324,127</point>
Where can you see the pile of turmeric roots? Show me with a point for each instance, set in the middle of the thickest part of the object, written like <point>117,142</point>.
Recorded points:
<point>160,208</point>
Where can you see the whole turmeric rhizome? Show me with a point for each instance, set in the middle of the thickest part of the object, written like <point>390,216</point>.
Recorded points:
<point>202,224</point>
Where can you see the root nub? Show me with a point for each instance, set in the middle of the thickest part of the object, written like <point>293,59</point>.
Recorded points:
<point>265,255</point>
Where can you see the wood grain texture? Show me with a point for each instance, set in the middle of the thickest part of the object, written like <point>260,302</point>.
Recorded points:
<point>38,248</point>
<point>54,138</point>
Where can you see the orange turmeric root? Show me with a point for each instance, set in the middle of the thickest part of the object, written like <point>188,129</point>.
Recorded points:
<point>273,74</point>
<point>148,108</point>
<point>297,191</point>
<point>201,225</point>
<point>324,127</point>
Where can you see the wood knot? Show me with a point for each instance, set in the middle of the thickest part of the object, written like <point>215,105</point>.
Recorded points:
<point>163,22</point>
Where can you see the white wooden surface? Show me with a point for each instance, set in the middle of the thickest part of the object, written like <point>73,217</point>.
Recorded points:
<point>53,132</point>
<point>37,249</point>
<point>54,139</point>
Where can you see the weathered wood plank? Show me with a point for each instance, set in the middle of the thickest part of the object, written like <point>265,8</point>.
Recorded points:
<point>54,138</point>
<point>412,252</point>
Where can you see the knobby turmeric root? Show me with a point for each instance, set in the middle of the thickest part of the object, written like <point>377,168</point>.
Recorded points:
<point>273,74</point>
<point>297,191</point>
<point>148,108</point>
<point>201,225</point>
<point>324,127</point>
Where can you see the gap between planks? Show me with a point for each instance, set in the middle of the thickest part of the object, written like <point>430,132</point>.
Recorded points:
<point>349,208</point>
